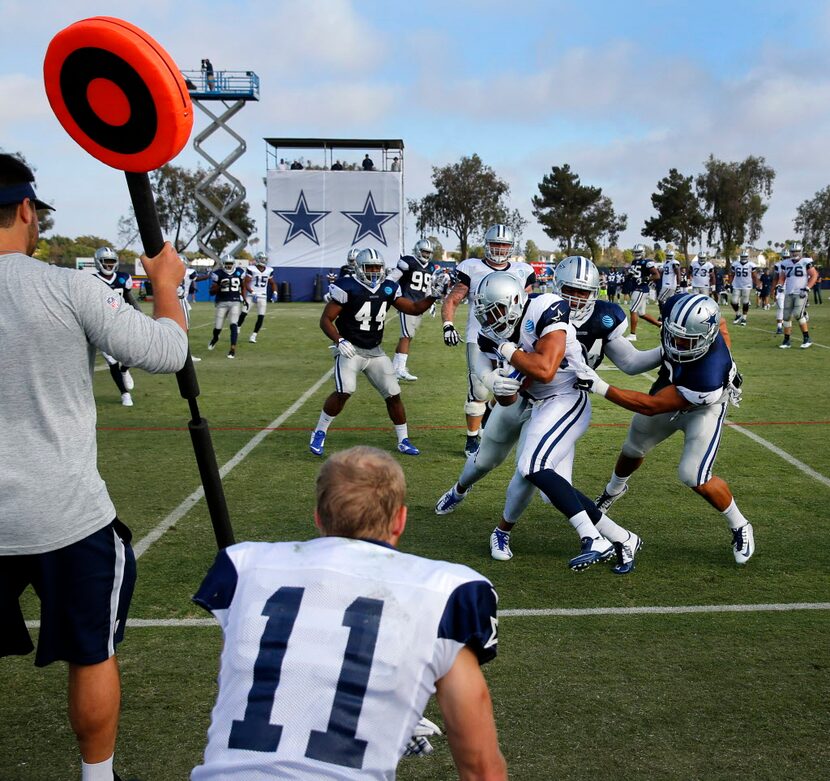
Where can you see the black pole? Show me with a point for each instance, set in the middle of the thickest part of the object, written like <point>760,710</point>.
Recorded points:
<point>149,229</point>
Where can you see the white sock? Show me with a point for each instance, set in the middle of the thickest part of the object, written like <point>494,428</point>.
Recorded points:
<point>734,517</point>
<point>615,484</point>
<point>612,531</point>
<point>400,360</point>
<point>98,771</point>
<point>324,422</point>
<point>584,525</point>
<point>400,432</point>
<point>472,433</point>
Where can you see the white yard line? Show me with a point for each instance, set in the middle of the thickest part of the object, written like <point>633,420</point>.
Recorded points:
<point>565,612</point>
<point>142,545</point>
<point>796,333</point>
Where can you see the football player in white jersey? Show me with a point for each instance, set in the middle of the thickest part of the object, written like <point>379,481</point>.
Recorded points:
<point>261,289</point>
<point>670,277</point>
<point>333,646</point>
<point>702,272</point>
<point>798,275</point>
<point>743,277</point>
<point>498,249</point>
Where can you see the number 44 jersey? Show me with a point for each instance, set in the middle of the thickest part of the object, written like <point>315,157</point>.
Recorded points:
<point>331,650</point>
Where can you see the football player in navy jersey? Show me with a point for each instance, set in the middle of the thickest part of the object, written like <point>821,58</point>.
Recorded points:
<point>697,381</point>
<point>354,319</point>
<point>414,274</point>
<point>230,285</point>
<point>106,264</point>
<point>642,271</point>
<point>600,329</point>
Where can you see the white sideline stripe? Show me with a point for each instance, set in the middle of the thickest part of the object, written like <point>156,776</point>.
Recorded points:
<point>767,331</point>
<point>141,546</point>
<point>807,470</point>
<point>565,612</point>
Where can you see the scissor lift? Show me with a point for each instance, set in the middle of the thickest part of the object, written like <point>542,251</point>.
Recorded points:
<point>233,89</point>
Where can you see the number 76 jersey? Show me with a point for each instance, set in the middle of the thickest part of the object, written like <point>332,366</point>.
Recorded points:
<point>332,649</point>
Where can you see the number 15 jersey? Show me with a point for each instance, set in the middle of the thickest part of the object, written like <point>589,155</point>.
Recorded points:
<point>332,649</point>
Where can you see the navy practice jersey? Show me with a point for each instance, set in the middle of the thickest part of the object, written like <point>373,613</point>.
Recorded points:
<point>230,284</point>
<point>640,273</point>
<point>594,333</point>
<point>363,316</point>
<point>122,283</point>
<point>414,278</point>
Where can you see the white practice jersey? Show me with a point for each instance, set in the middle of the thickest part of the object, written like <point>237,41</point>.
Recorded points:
<point>670,273</point>
<point>331,650</point>
<point>259,281</point>
<point>700,273</point>
<point>796,274</point>
<point>742,275</point>
<point>184,288</point>
<point>472,271</point>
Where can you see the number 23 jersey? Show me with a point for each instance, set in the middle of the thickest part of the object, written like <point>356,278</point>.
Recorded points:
<point>332,649</point>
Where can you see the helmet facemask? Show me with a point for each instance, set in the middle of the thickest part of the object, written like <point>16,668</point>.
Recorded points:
<point>498,305</point>
<point>690,328</point>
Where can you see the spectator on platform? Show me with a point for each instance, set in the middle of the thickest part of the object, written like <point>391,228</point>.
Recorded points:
<point>338,166</point>
<point>283,166</point>
<point>296,166</point>
<point>368,164</point>
<point>207,71</point>
<point>396,164</point>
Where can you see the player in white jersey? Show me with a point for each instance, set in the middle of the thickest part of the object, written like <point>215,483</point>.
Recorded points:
<point>669,277</point>
<point>798,275</point>
<point>702,273</point>
<point>261,289</point>
<point>332,647</point>
<point>743,277</point>
<point>498,249</point>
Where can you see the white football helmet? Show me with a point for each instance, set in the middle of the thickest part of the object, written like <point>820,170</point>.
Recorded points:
<point>351,256</point>
<point>370,268</point>
<point>106,261</point>
<point>574,274</point>
<point>498,244</point>
<point>795,250</point>
<point>498,304</point>
<point>423,250</point>
<point>639,251</point>
<point>690,328</point>
<point>228,262</point>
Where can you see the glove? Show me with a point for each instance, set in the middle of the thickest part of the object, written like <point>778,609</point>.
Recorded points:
<point>588,380</point>
<point>346,348</point>
<point>664,295</point>
<point>506,350</point>
<point>779,289</point>
<point>450,334</point>
<point>418,743</point>
<point>505,385</point>
<point>803,293</point>
<point>432,311</point>
<point>438,285</point>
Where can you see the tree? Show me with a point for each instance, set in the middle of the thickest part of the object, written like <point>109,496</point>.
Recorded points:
<point>531,251</point>
<point>437,249</point>
<point>572,213</point>
<point>733,196</point>
<point>813,222</point>
<point>468,198</point>
<point>679,218</point>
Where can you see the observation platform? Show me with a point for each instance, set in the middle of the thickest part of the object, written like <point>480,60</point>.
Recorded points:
<point>222,85</point>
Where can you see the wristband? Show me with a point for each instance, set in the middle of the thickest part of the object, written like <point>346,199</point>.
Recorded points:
<point>507,349</point>
<point>600,387</point>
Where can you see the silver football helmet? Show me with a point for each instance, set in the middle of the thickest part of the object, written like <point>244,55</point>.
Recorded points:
<point>744,256</point>
<point>498,244</point>
<point>574,274</point>
<point>228,262</point>
<point>351,256</point>
<point>498,304</point>
<point>690,328</point>
<point>785,253</point>
<point>370,268</point>
<point>639,251</point>
<point>669,254</point>
<point>260,259</point>
<point>795,250</point>
<point>702,256</point>
<point>106,261</point>
<point>423,250</point>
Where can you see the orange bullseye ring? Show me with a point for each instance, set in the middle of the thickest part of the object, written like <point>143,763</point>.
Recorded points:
<point>118,94</point>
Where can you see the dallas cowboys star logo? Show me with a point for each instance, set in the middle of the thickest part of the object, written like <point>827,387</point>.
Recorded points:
<point>301,220</point>
<point>713,320</point>
<point>369,221</point>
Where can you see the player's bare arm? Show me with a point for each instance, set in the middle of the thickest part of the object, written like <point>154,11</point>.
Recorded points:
<point>330,313</point>
<point>452,301</point>
<point>724,332</point>
<point>669,399</point>
<point>541,364</point>
<point>468,718</point>
<point>409,307</point>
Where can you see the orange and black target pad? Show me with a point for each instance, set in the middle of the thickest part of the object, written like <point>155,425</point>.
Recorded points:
<point>118,93</point>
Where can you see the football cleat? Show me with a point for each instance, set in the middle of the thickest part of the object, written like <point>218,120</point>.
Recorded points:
<point>450,500</point>
<point>626,551</point>
<point>232,354</point>
<point>407,448</point>
<point>195,359</point>
<point>471,446</point>
<point>736,320</point>
<point>126,400</point>
<point>785,345</point>
<point>403,374</point>
<point>129,383</point>
<point>779,331</point>
<point>742,321</point>
<point>592,551</point>
<point>500,545</point>
<point>211,345</point>
<point>318,439</point>
<point>743,543</point>
<point>806,343</point>
<point>632,337</point>
<point>252,338</point>
<point>605,500</point>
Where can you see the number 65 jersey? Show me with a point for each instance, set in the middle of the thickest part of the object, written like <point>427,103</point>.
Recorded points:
<point>331,650</point>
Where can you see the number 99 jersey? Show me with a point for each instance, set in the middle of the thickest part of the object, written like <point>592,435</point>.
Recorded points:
<point>363,316</point>
<point>332,649</point>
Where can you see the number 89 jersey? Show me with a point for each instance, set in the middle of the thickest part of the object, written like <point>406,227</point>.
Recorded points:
<point>363,316</point>
<point>332,649</point>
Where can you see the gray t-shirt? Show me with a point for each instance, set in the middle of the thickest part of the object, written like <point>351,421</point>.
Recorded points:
<point>52,320</point>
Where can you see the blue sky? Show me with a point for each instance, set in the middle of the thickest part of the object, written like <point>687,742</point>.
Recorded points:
<point>620,90</point>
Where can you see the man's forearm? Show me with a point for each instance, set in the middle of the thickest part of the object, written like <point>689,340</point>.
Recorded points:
<point>166,303</point>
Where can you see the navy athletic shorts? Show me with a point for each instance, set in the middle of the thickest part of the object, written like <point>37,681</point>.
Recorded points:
<point>85,591</point>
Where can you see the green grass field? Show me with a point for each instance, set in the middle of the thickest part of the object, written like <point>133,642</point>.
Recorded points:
<point>683,695</point>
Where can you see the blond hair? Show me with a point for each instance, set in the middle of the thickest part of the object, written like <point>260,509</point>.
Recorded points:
<point>359,491</point>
